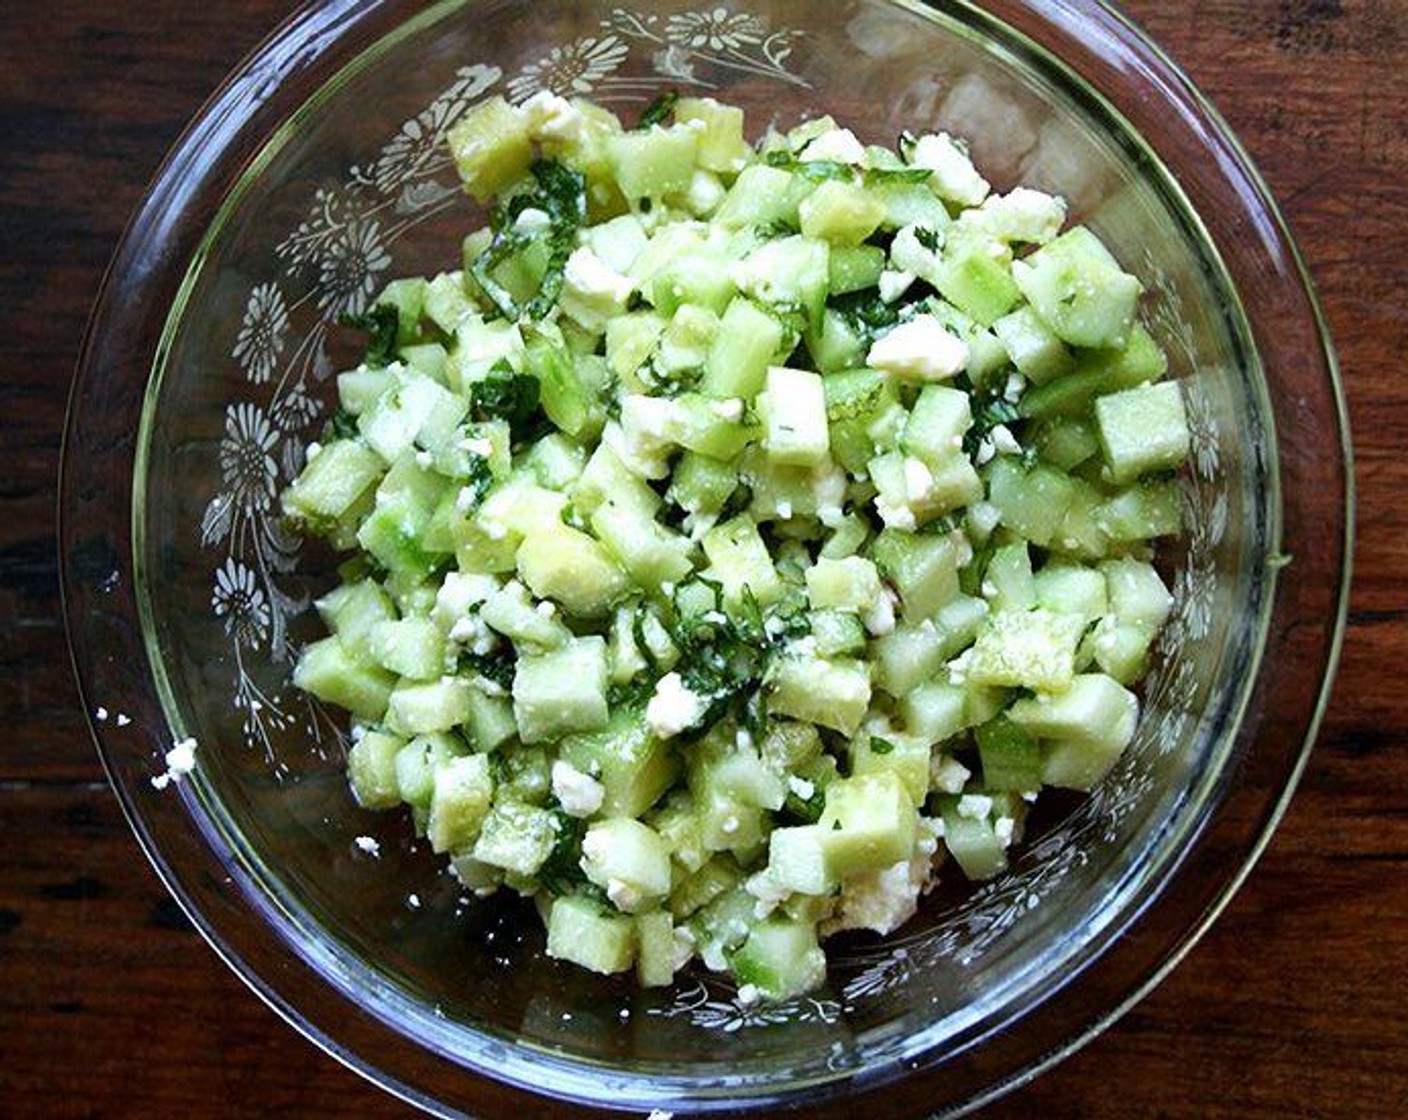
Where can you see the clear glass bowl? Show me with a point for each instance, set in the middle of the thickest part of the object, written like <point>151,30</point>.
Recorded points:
<point>312,177</point>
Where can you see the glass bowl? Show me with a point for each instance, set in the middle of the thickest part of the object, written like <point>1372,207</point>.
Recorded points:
<point>314,175</point>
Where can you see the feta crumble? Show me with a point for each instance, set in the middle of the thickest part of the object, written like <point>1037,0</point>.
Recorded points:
<point>580,795</point>
<point>921,349</point>
<point>673,708</point>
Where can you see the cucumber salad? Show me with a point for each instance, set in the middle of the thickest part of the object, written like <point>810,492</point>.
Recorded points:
<point>743,534</point>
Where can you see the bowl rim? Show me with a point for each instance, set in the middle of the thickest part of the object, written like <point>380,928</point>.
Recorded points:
<point>332,27</point>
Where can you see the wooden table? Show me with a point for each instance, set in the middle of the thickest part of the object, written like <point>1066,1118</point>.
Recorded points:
<point>1295,1005</point>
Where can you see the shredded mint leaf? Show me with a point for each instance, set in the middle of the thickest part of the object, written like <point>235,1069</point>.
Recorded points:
<point>658,110</point>
<point>929,238</point>
<point>342,425</point>
<point>880,746</point>
<point>865,312</point>
<point>496,667</point>
<point>877,175</point>
<point>383,323</point>
<point>986,417</point>
<point>561,873</point>
<point>505,395</point>
<point>561,194</point>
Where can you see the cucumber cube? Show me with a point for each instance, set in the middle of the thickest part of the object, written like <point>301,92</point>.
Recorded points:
<point>1142,430</point>
<point>516,836</point>
<point>1142,512</point>
<point>1079,290</point>
<point>409,647</point>
<point>1033,503</point>
<point>561,691</point>
<point>655,959</point>
<point>868,824</point>
<point>746,344</point>
<point>1071,589</point>
<point>416,764</point>
<point>371,770</point>
<point>780,958</point>
<point>512,613</point>
<point>855,268</point>
<point>351,610</point>
<point>852,584</point>
<point>791,274</point>
<point>491,147</point>
<point>583,932</point>
<point>1086,728</point>
<point>923,569</point>
<point>834,694</point>
<point>722,147</point>
<point>419,709</point>
<point>1026,649</point>
<point>1008,584</point>
<point>973,842</point>
<point>738,558</point>
<point>650,553</point>
<point>459,803</point>
<point>1011,756</point>
<point>629,861</point>
<point>908,657</point>
<point>971,279</point>
<point>936,425</point>
<point>1033,347</point>
<point>332,482</point>
<point>905,756</point>
<point>631,340</point>
<point>837,633</point>
<point>325,669</point>
<point>571,567</point>
<point>797,861</point>
<point>840,212</point>
<point>654,163</point>
<point>934,711</point>
<point>632,765</point>
<point>762,196</point>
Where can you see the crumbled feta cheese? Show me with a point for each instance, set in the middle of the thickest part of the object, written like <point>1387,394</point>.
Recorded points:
<point>947,774</point>
<point>1015,386</point>
<point>884,900</point>
<point>369,845</point>
<point>413,901</point>
<point>180,760</point>
<point>1003,829</point>
<point>532,222</point>
<point>1004,441</point>
<point>839,144</point>
<point>921,349</point>
<point>623,896</point>
<point>101,714</point>
<point>984,517</point>
<point>894,283</point>
<point>425,460</point>
<point>551,117</point>
<point>730,409</point>
<point>481,446</point>
<point>1022,214</point>
<point>593,293</point>
<point>546,609</point>
<point>985,452</point>
<point>896,516</point>
<point>123,720</point>
<point>748,995</point>
<point>784,510</point>
<point>958,667</point>
<point>673,707</point>
<point>579,794</point>
<point>830,516</point>
<point>954,176</point>
<point>459,593</point>
<point>704,193</point>
<point>918,480</point>
<point>909,253</point>
<point>312,451</point>
<point>879,620</point>
<point>804,789</point>
<point>743,739</point>
<point>474,632</point>
<point>974,806</point>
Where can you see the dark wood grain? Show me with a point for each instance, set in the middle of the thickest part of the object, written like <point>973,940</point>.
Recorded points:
<point>110,1005</point>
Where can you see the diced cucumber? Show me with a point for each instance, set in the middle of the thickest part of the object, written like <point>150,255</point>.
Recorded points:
<point>1011,756</point>
<point>1142,430</point>
<point>572,568</point>
<point>1008,583</point>
<point>1032,502</point>
<point>1026,649</point>
<point>837,633</point>
<point>409,647</point>
<point>840,212</point>
<point>653,163</point>
<point>417,762</point>
<point>855,268</point>
<point>629,861</point>
<point>421,708</point>
<point>780,958</point>
<point>511,612</point>
<point>326,670</point>
<point>459,803</point>
<point>852,584</point>
<point>332,482</point>
<point>834,694</point>
<point>516,836</point>
<point>490,147</point>
<point>371,770</point>
<point>583,932</point>
<point>1034,348</point>
<point>738,558</point>
<point>561,691</point>
<point>655,940</point>
<point>746,344</point>
<point>923,569</point>
<point>722,147</point>
<point>763,196</point>
<point>973,842</point>
<point>936,425</point>
<point>351,610</point>
<point>633,766</point>
<point>1079,290</point>
<point>905,756</point>
<point>1085,729</point>
<point>868,824</point>
<point>934,711</point>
